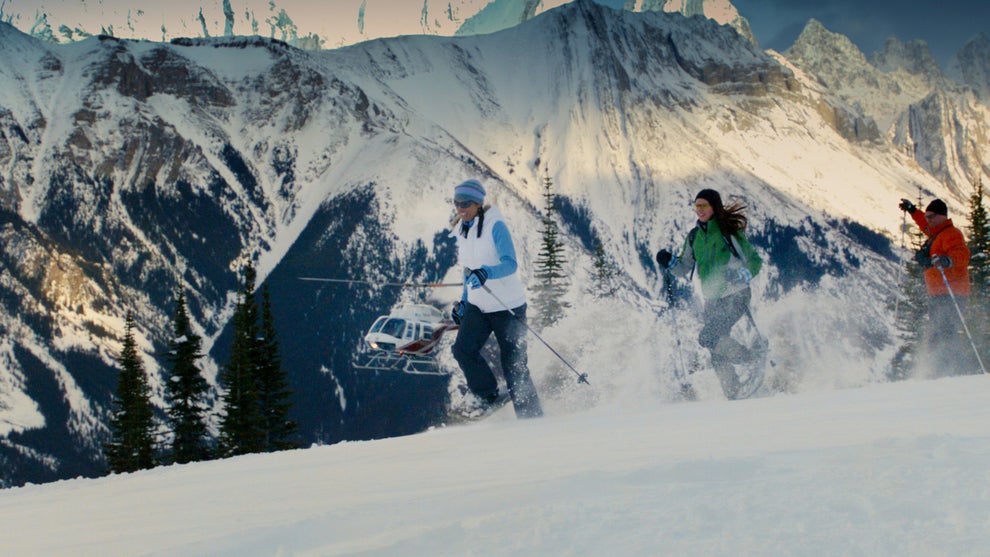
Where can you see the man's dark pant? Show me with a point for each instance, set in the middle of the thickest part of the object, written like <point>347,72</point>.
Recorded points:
<point>510,332</point>
<point>946,344</point>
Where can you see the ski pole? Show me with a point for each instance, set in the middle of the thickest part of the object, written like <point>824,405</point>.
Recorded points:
<point>759,335</point>
<point>668,287</point>
<point>897,301</point>
<point>582,377</point>
<point>376,283</point>
<point>903,226</point>
<point>961,318</point>
<point>764,341</point>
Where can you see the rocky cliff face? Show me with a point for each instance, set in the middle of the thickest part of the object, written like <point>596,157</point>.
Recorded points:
<point>933,119</point>
<point>970,67</point>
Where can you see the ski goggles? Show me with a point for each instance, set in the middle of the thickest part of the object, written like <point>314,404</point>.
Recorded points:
<point>464,203</point>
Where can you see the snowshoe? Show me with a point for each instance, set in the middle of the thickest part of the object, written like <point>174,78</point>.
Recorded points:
<point>751,386</point>
<point>752,371</point>
<point>477,409</point>
<point>687,392</point>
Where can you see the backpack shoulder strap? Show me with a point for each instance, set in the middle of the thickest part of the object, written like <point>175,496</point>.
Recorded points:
<point>725,237</point>
<point>690,238</point>
<point>690,242</point>
<point>731,244</point>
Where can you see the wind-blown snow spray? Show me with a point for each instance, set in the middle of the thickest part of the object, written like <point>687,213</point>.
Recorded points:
<point>961,318</point>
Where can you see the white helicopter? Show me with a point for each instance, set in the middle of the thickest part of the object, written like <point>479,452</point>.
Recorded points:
<point>405,340</point>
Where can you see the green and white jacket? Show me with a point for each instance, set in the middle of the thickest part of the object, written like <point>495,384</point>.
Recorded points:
<point>725,263</point>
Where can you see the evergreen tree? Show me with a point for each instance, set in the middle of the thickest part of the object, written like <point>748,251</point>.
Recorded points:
<point>552,284</point>
<point>132,444</point>
<point>978,309</point>
<point>605,272</point>
<point>241,428</point>
<point>910,308</point>
<point>273,385</point>
<point>186,391</point>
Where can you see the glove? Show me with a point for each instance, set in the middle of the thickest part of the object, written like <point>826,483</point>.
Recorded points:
<point>663,258</point>
<point>477,278</point>
<point>907,206</point>
<point>457,311</point>
<point>740,276</point>
<point>941,261</point>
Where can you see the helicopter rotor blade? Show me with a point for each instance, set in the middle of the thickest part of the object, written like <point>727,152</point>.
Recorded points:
<point>393,284</point>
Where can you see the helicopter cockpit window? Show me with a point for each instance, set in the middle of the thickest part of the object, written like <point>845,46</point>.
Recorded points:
<point>392,327</point>
<point>377,326</point>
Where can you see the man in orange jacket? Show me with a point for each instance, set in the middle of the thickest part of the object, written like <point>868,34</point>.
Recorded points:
<point>945,252</point>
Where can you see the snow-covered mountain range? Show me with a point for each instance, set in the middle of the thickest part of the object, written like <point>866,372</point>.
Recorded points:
<point>131,169</point>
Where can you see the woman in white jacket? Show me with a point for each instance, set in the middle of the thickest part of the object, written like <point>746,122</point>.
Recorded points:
<point>491,289</point>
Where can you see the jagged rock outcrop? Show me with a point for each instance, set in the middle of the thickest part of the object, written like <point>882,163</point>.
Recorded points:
<point>913,57</point>
<point>928,117</point>
<point>971,65</point>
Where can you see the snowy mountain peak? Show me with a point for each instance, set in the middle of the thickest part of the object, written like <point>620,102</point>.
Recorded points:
<point>971,65</point>
<point>843,68</point>
<point>822,48</point>
<point>904,93</point>
<point>913,57</point>
<point>721,11</point>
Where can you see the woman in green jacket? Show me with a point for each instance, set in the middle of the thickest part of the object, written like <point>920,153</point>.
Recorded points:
<point>726,262</point>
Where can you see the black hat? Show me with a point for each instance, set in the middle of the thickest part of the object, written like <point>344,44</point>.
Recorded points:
<point>938,207</point>
<point>711,196</point>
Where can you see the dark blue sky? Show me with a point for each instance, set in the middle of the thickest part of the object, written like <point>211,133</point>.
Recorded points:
<point>945,25</point>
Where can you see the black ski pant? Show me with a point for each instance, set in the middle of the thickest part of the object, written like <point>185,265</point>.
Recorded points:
<point>510,333</point>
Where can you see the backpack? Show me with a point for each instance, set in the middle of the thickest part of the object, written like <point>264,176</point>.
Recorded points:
<point>728,241</point>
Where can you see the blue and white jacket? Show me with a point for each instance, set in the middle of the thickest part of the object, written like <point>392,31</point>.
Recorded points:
<point>494,252</point>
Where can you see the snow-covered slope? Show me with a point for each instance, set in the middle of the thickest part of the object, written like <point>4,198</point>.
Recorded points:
<point>889,470</point>
<point>132,169</point>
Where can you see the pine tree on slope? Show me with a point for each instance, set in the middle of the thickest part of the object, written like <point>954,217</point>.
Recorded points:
<point>273,385</point>
<point>910,305</point>
<point>241,427</point>
<point>552,283</point>
<point>186,391</point>
<point>132,443</point>
<point>978,309</point>
<point>605,272</point>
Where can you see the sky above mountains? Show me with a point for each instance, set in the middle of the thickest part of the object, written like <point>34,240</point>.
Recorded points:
<point>945,26</point>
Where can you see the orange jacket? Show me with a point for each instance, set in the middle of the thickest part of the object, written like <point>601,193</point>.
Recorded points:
<point>946,240</point>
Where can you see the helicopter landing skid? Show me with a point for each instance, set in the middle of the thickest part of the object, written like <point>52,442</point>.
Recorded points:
<point>389,361</point>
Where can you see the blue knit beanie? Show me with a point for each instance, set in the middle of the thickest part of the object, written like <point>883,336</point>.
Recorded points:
<point>471,190</point>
